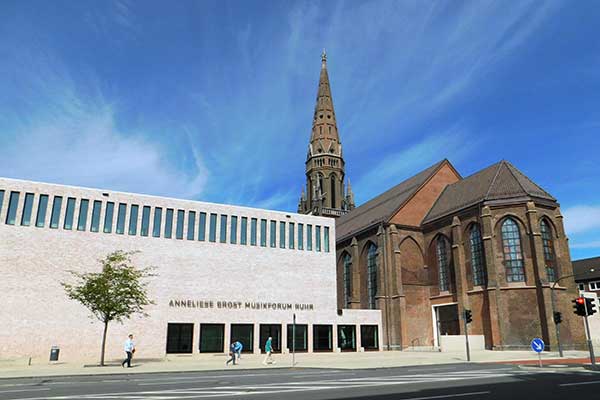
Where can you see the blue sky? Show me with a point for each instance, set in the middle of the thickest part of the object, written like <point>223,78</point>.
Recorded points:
<point>213,100</point>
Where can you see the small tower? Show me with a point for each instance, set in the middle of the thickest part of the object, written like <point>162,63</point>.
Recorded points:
<point>325,168</point>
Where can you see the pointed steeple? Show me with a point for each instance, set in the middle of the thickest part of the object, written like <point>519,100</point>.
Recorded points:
<point>325,169</point>
<point>349,196</point>
<point>324,135</point>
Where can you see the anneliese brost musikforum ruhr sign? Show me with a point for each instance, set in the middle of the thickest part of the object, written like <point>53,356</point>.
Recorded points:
<point>239,305</point>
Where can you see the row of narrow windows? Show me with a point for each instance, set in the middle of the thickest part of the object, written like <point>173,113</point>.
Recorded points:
<point>371,276</point>
<point>291,235</point>
<point>319,162</point>
<point>512,252</point>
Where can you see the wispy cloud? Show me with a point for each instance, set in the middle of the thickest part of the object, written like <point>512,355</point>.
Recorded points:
<point>84,147</point>
<point>582,218</point>
<point>396,166</point>
<point>586,245</point>
<point>69,133</point>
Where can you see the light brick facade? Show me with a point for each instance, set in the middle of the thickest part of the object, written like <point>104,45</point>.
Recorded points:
<point>36,313</point>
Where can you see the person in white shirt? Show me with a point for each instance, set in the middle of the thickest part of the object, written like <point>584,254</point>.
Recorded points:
<point>129,349</point>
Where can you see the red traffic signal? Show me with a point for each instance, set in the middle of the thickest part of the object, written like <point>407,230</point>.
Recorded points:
<point>579,306</point>
<point>584,306</point>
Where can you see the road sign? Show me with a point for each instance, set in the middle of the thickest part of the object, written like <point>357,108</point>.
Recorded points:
<point>537,345</point>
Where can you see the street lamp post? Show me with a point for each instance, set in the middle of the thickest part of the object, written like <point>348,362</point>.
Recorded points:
<point>553,301</point>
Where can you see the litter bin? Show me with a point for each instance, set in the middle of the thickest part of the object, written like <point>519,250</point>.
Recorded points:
<point>54,351</point>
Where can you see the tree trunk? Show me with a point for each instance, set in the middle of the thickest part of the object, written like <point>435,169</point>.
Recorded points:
<point>103,343</point>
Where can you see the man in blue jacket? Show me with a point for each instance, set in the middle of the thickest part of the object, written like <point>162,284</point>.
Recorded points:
<point>237,346</point>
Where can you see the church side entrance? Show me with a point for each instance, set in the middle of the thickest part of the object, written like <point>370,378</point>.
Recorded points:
<point>446,321</point>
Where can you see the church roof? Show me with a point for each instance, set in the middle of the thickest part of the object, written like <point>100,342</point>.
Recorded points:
<point>383,207</point>
<point>498,181</point>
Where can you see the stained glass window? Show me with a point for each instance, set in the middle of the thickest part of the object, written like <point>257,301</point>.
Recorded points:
<point>442,259</point>
<point>477,257</point>
<point>347,278</point>
<point>548,243</point>
<point>372,275</point>
<point>511,247</point>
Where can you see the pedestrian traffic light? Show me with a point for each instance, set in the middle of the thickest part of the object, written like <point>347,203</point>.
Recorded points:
<point>468,317</point>
<point>579,306</point>
<point>557,317</point>
<point>590,306</point>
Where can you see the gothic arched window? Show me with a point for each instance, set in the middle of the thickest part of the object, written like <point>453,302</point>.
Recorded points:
<point>511,247</point>
<point>372,275</point>
<point>333,191</point>
<point>321,187</point>
<point>347,260</point>
<point>477,258</point>
<point>442,259</point>
<point>549,258</point>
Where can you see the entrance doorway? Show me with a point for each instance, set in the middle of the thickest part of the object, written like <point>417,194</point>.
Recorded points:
<point>273,331</point>
<point>244,333</point>
<point>212,338</point>
<point>446,321</point>
<point>179,338</point>
<point>347,337</point>
<point>322,338</point>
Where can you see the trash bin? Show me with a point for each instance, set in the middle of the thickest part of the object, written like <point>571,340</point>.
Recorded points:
<point>54,351</point>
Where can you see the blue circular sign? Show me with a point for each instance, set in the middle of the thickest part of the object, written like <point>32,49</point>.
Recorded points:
<point>537,345</point>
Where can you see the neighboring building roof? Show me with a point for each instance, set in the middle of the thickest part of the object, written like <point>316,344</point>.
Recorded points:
<point>581,269</point>
<point>383,207</point>
<point>498,181</point>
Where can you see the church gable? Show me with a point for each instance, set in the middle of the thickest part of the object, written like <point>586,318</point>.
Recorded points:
<point>412,212</point>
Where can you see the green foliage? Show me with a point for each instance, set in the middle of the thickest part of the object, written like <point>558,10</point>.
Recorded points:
<point>116,293</point>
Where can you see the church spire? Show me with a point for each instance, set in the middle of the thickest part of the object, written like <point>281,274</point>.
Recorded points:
<point>325,170</point>
<point>324,126</point>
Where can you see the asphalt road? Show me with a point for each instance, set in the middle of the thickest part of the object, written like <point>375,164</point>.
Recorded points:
<point>457,381</point>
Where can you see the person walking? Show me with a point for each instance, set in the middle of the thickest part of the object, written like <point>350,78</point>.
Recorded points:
<point>129,349</point>
<point>269,350</point>
<point>231,353</point>
<point>238,349</point>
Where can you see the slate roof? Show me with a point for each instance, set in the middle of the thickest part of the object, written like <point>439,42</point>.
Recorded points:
<point>382,207</point>
<point>498,181</point>
<point>581,269</point>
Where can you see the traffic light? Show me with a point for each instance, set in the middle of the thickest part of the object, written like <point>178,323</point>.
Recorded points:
<point>557,317</point>
<point>579,306</point>
<point>468,316</point>
<point>590,306</point>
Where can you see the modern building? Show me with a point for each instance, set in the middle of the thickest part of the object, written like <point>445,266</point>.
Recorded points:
<point>587,274</point>
<point>438,244</point>
<point>222,272</point>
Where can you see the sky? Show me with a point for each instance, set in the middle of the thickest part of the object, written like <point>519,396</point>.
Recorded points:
<point>213,100</point>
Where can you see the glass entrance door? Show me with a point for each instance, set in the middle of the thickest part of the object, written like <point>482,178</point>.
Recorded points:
<point>301,337</point>
<point>179,338</point>
<point>347,337</point>
<point>244,333</point>
<point>273,331</point>
<point>322,338</point>
<point>369,337</point>
<point>212,337</point>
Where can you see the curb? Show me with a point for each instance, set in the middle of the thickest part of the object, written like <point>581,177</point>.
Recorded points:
<point>591,367</point>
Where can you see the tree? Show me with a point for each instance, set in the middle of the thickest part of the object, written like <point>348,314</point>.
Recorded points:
<point>115,294</point>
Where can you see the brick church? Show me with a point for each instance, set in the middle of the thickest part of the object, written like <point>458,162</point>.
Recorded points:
<point>439,243</point>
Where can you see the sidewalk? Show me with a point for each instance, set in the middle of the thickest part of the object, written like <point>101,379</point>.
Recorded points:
<point>202,362</point>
